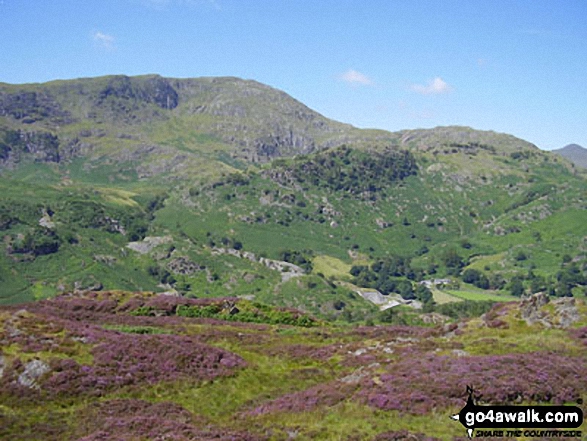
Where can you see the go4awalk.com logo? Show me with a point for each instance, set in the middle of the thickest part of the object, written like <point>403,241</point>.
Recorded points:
<point>508,421</point>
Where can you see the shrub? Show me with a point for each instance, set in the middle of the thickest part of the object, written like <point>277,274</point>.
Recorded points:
<point>452,261</point>
<point>516,287</point>
<point>476,278</point>
<point>464,309</point>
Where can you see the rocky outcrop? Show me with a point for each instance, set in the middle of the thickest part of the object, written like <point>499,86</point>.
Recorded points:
<point>383,224</point>
<point>531,309</point>
<point>90,284</point>
<point>184,266</point>
<point>40,145</point>
<point>149,243</point>
<point>283,143</point>
<point>566,312</point>
<point>153,90</point>
<point>28,107</point>
<point>561,313</point>
<point>286,269</point>
<point>33,370</point>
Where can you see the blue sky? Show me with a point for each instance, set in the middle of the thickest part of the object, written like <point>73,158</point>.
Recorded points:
<point>511,66</point>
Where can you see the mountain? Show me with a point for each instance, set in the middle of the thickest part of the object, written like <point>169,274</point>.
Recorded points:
<point>574,153</point>
<point>166,125</point>
<point>217,187</point>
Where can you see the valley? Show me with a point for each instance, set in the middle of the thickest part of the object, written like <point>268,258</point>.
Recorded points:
<point>209,258</point>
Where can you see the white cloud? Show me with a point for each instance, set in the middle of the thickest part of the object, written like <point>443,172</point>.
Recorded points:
<point>353,77</point>
<point>436,86</point>
<point>103,40</point>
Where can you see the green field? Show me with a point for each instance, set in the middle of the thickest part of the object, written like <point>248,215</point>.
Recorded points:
<point>481,295</point>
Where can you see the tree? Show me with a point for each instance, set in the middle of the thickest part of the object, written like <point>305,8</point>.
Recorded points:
<point>516,287</point>
<point>537,284</point>
<point>520,256</point>
<point>452,261</point>
<point>38,241</point>
<point>563,290</point>
<point>471,276</point>
<point>496,281</point>
<point>476,278</point>
<point>357,269</point>
<point>404,288</point>
<point>424,295</point>
<point>388,286</point>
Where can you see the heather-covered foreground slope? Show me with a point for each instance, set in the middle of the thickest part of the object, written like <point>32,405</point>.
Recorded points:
<point>117,365</point>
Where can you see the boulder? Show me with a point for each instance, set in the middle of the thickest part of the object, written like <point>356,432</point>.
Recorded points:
<point>531,309</point>
<point>33,370</point>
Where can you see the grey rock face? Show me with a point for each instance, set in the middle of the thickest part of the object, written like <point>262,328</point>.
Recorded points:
<point>29,107</point>
<point>154,90</point>
<point>41,146</point>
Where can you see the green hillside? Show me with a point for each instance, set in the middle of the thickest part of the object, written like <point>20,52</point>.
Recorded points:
<point>224,187</point>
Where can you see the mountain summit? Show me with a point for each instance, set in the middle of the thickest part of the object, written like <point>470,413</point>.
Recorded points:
<point>229,119</point>
<point>574,153</point>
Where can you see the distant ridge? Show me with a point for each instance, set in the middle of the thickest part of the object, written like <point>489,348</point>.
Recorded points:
<point>574,153</point>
